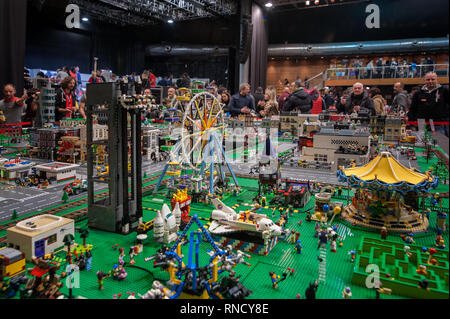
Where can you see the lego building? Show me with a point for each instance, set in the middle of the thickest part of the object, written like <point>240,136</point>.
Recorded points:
<point>14,169</point>
<point>47,103</point>
<point>394,129</point>
<point>59,172</point>
<point>150,142</point>
<point>338,147</point>
<point>99,133</point>
<point>40,235</point>
<point>68,123</point>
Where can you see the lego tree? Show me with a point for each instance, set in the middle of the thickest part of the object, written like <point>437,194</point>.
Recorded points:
<point>440,170</point>
<point>427,140</point>
<point>84,233</point>
<point>14,215</point>
<point>65,197</point>
<point>68,240</point>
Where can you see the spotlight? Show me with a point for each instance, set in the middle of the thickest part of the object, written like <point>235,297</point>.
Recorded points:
<point>269,5</point>
<point>316,2</point>
<point>85,19</point>
<point>307,3</point>
<point>170,21</point>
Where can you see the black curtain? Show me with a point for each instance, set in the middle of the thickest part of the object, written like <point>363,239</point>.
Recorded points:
<point>258,58</point>
<point>13,14</point>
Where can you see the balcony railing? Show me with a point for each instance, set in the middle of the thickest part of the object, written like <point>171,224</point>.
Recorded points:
<point>386,72</point>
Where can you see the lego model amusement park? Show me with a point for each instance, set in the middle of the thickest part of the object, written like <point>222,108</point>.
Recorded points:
<point>200,205</point>
<point>210,158</point>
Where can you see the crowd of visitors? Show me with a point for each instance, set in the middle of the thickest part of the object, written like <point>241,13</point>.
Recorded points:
<point>393,67</point>
<point>428,102</point>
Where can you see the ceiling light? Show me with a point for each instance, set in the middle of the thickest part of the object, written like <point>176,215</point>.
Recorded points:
<point>170,21</point>
<point>307,3</point>
<point>85,19</point>
<point>269,5</point>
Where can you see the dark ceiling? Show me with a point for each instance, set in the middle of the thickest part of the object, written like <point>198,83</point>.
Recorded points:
<point>290,5</point>
<point>146,12</point>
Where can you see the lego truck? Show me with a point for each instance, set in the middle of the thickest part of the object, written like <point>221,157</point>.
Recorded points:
<point>77,187</point>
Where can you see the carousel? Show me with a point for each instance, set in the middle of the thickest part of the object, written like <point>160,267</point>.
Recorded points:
<point>386,195</point>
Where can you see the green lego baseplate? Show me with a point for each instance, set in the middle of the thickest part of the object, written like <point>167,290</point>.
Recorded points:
<point>341,272</point>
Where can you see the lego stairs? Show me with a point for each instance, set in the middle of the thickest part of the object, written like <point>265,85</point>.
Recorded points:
<point>323,265</point>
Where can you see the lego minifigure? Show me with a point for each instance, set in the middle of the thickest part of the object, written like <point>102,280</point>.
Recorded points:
<point>310,292</point>
<point>383,232</point>
<point>263,201</point>
<point>407,251</point>
<point>433,262</point>
<point>298,247</point>
<point>333,246</point>
<point>69,258</point>
<point>423,284</point>
<point>308,216</point>
<point>323,239</point>
<point>119,272</point>
<point>436,200</point>
<point>317,230</point>
<point>352,253</point>
<point>409,239</point>
<point>88,260</point>
<point>274,279</point>
<point>427,213</point>
<point>347,293</point>
<point>100,276</point>
<point>422,270</point>
<point>441,244</point>
<point>439,238</point>
<point>121,255</point>
<point>291,238</point>
<point>431,252</point>
<point>133,253</point>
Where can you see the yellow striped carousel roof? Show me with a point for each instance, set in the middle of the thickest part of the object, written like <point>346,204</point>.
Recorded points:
<point>386,169</point>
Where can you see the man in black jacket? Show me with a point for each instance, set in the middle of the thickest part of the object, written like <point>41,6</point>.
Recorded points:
<point>431,103</point>
<point>326,96</point>
<point>299,100</point>
<point>359,100</point>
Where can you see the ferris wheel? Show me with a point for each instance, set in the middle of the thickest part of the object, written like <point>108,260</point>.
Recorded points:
<point>203,131</point>
<point>199,151</point>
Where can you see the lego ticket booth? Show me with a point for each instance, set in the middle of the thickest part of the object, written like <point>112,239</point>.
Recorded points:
<point>40,235</point>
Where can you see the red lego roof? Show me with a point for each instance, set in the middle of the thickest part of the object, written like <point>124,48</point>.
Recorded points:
<point>39,272</point>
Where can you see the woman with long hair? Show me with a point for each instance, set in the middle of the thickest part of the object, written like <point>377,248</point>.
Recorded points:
<point>378,100</point>
<point>66,101</point>
<point>225,99</point>
<point>271,107</point>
